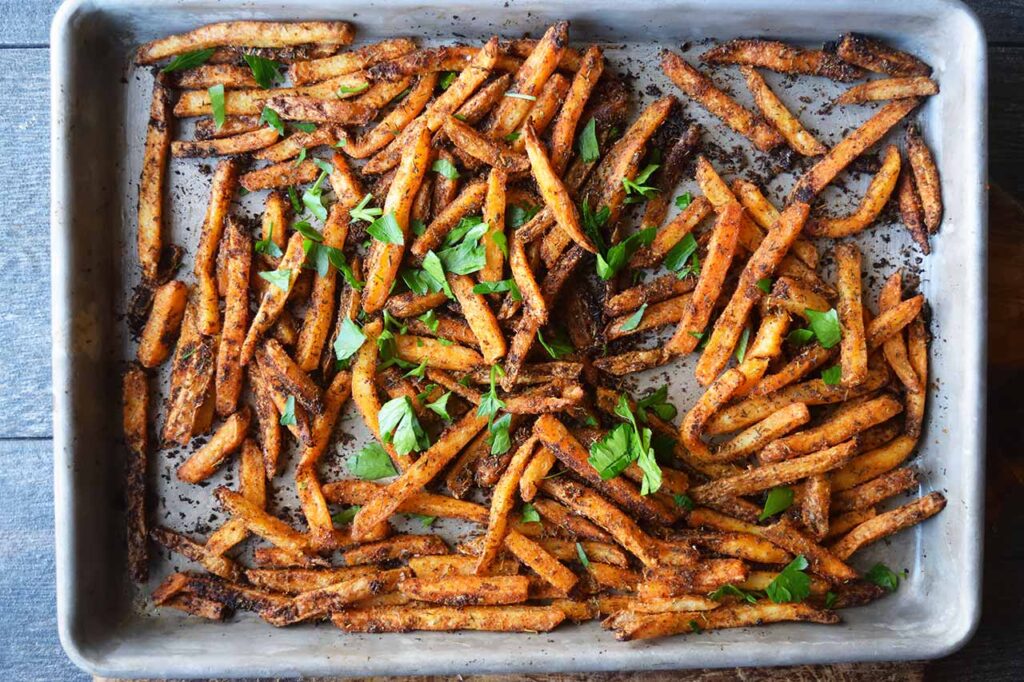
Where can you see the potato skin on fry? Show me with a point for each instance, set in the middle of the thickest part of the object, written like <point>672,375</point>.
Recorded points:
<point>777,56</point>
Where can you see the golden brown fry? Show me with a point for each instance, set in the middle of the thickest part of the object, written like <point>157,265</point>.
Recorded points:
<point>878,193</point>
<point>392,125</point>
<point>815,505</point>
<point>703,90</point>
<point>419,474</point>
<point>889,88</point>
<point>225,181</point>
<point>237,249</point>
<point>353,491</point>
<point>299,580</point>
<point>191,375</point>
<point>575,526</point>
<point>259,522</point>
<point>449,618</point>
<point>648,626</point>
<point>851,146</point>
<point>267,420</point>
<point>917,349</point>
<point>321,602</point>
<point>529,80</point>
<point>740,545</point>
<point>672,233</point>
<point>563,133</point>
<point>292,146</point>
<point>892,321</point>
<point>225,146</point>
<point>284,174</point>
<point>778,56</point>
<point>673,165</point>
<point>718,394</point>
<point>384,258</point>
<point>535,472</point>
<point>867,495</point>
<point>926,178</point>
<point>151,183</point>
<point>228,438</point>
<point>417,349</point>
<point>397,548</point>
<point>766,216</point>
<point>655,316</point>
<point>469,199</point>
<point>480,318</point>
<point>853,350</point>
<point>206,128</point>
<point>822,562</point>
<point>772,427</point>
<point>315,70</point>
<point>657,290</point>
<point>895,347</point>
<point>550,100</point>
<point>283,371</point>
<point>467,140</point>
<point>713,270</point>
<point>502,500</point>
<point>874,55</point>
<point>207,75</point>
<point>193,551</point>
<point>843,523</point>
<point>253,485</point>
<point>442,566</point>
<point>251,102</point>
<point>247,34</point>
<point>762,264</point>
<point>783,119</point>
<point>494,216</point>
<point>888,523</point>
<point>364,389</point>
<point>307,108</point>
<point>135,424</point>
<point>163,323</point>
<point>465,590</point>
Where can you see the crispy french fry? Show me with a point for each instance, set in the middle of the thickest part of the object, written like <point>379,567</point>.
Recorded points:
<point>191,375</point>
<point>672,168</point>
<point>824,563</point>
<point>815,505</point>
<point>718,394</point>
<point>843,523</point>
<point>867,495</point>
<point>895,347</point>
<point>469,199</point>
<point>762,264</point>
<point>529,80</point>
<point>740,545</point>
<point>315,70</point>
<point>672,233</point>
<point>878,193</point>
<point>308,108</point>
<point>764,213</point>
<point>853,350</point>
<point>657,315</point>
<point>292,146</point>
<point>535,472</point>
<point>474,144</point>
<point>448,618</point>
<point>399,547</point>
<point>193,551</point>
<point>419,474</point>
<point>289,376</point>
<point>494,215</point>
<point>206,128</point>
<point>259,522</point>
<point>228,438</point>
<point>391,126</point>
<point>237,248</point>
<point>767,342</point>
<point>888,523</point>
<point>716,263</point>
<point>299,580</point>
<point>284,174</point>
<point>480,318</point>
<point>417,349</point>
<point>151,183</point>
<point>364,389</point>
<point>657,290</point>
<point>163,323</point>
<point>772,427</point>
<point>876,56</point>
<point>318,603</point>
<point>226,146</point>
<point>225,180</point>
<point>502,500</point>
<point>851,146</point>
<point>703,90</point>
<point>247,34</point>
<point>576,526</point>
<point>548,103</point>
<point>772,108</point>
<point>536,306</point>
<point>926,178</point>
<point>892,321</point>
<point>464,590</point>
<point>253,485</point>
<point>274,297</point>
<point>564,130</point>
<point>917,349</point>
<point>778,56</point>
<point>889,88</point>
<point>649,626</point>
<point>135,420</point>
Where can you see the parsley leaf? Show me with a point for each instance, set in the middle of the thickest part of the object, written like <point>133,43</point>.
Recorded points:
<point>825,326</point>
<point>400,427</point>
<point>558,346</point>
<point>732,591</point>
<point>779,499</point>
<point>624,444</point>
<point>345,516</point>
<point>308,231</point>
<point>268,246</point>
<point>741,347</point>
<point>429,318</point>
<point>593,222</point>
<point>682,258</point>
<point>791,584</point>
<point>419,370</point>
<point>216,93</point>
<point>516,216</point>
<point>189,60</point>
<point>530,514</point>
<point>830,599</point>
<point>446,168</point>
<point>288,415</point>
<point>361,212</point>
<point>440,406</point>
<point>800,337</point>
<point>582,555</point>
<point>447,78</point>
<point>386,229</point>
<point>684,200</point>
<point>350,339</point>
<point>499,434</point>
<point>352,89</point>
<point>427,521</point>
<point>270,117</point>
<point>512,137</point>
<point>832,376</point>
<point>469,254</point>
<point>587,144</point>
<point>371,463</point>
<point>280,278</point>
<point>508,285</point>
<point>521,95</point>
<point>312,198</point>
<point>634,320</point>
<point>304,127</point>
<point>683,501</point>
<point>657,403</point>
<point>265,71</point>
<point>434,269</point>
<point>611,455</point>
<point>765,284</point>
<point>636,190</point>
<point>617,256</point>
<point>490,403</point>
<point>884,577</point>
<point>336,257</point>
<point>296,203</point>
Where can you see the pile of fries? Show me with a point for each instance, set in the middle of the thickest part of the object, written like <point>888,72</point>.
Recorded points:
<point>473,264</point>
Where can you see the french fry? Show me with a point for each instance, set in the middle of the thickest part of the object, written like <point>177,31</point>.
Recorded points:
<point>308,108</point>
<point>529,80</point>
<point>151,183</point>
<point>772,108</point>
<point>657,315</point>
<point>709,575</point>
<point>605,515</point>
<point>206,128</point>
<point>419,474</point>
<point>299,580</point>
<point>878,193</point>
<point>803,363</point>
<point>284,174</point>
<point>228,379</point>
<point>352,491</point>
<point>767,342</point>
<point>740,545</point>
<point>251,102</point>
<point>228,438</point>
<point>535,472</point>
<point>252,484</point>
<point>193,551</point>
<point>650,626</point>
<point>548,103</point>
<point>672,233</point>
<point>892,320</point>
<point>849,148</point>
<point>889,523</point>
<point>563,132</point>
<point>391,126</point>
<point>762,264</point>
<point>464,590</point>
<point>599,551</point>
<point>540,561</point>
<point>703,90</point>
<point>502,500</point>
<point>233,594</point>
<point>384,258</point>
<point>364,390</point>
<point>716,263</point>
<point>672,167</point>
<point>778,56</point>
<point>895,347</point>
<point>926,178</point>
<point>321,602</point>
<point>764,213</point>
<point>536,306</point>
<point>772,427</point>
<point>285,373</point>
<point>448,618</point>
<point>163,323</point>
<point>225,146</point>
<point>815,505</point>
<point>867,495</point>
<point>274,297</point>
<point>480,318</point>
<point>399,547</point>
<point>191,375</point>
<point>494,216</point>
<point>474,144</point>
<point>247,34</point>
<point>876,56</point>
<point>576,526</point>
<point>843,523</point>
<point>823,562</point>
<point>267,421</point>
<point>853,350</point>
<point>889,88</point>
<point>417,349</point>
<point>259,522</point>
<point>315,70</point>
<point>571,59</point>
<point>917,349</point>
<point>442,566</point>
<point>135,419</point>
<point>225,180</point>
<point>292,146</point>
<point>469,199</point>
<point>657,290</point>
<point>718,394</point>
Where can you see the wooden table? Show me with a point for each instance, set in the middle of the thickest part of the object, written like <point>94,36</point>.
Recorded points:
<point>29,649</point>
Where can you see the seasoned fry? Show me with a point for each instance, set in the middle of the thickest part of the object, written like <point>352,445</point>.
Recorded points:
<point>815,505</point>
<point>889,88</point>
<point>251,102</point>
<point>151,183</point>
<point>890,522</point>
<point>699,87</point>
<point>563,132</point>
<point>672,233</point>
<point>648,626</point>
<point>237,249</point>
<point>766,215</point>
<point>448,618</point>
<point>135,425</point>
<point>292,146</point>
<point>772,427</point>
<point>926,178</point>
<point>876,56</point>
<point>315,70</point>
<point>206,128</point>
<point>895,347</point>
<point>657,315</point>
<point>529,80</point>
<point>284,174</point>
<point>226,146</point>
<point>283,371</point>
<point>871,205</point>
<point>777,56</point>
<point>494,216</point>
<point>851,146</point>
<point>395,548</point>
<point>225,181</point>
<point>307,108</point>
<point>911,211</point>
<point>501,505</point>
<point>247,34</point>
<point>228,438</point>
<point>474,144</point>
<point>468,590</point>
<point>416,349</point>
<point>718,394</point>
<point>391,126</point>
<point>480,318</point>
<point>836,429</point>
<point>191,375</point>
<point>384,258</point>
<point>193,551</point>
<point>657,290</point>
<point>917,350</point>
<point>853,351</point>
<point>778,115</point>
<point>163,323</point>
<point>673,166</point>
<point>867,495</point>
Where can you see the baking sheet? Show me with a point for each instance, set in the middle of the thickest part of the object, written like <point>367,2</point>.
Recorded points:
<point>902,625</point>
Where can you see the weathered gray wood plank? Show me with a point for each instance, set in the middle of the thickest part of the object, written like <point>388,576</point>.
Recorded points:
<point>24,231</point>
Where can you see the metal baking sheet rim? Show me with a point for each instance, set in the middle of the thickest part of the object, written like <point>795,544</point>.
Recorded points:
<point>113,656</point>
